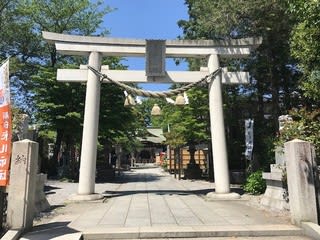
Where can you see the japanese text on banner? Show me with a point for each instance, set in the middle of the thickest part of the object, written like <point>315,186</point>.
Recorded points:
<point>5,124</point>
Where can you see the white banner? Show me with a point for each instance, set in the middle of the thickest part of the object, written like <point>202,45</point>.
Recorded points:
<point>4,84</point>
<point>249,138</point>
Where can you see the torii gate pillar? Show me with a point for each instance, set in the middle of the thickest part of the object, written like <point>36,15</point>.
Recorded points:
<point>90,133</point>
<point>220,158</point>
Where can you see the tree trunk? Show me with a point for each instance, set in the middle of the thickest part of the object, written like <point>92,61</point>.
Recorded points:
<point>71,161</point>
<point>175,161</point>
<point>192,150</point>
<point>210,159</point>
<point>107,149</point>
<point>53,162</point>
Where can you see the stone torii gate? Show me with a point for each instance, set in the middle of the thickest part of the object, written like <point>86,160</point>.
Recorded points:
<point>96,47</point>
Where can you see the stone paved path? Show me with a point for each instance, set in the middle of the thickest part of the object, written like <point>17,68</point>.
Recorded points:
<point>150,201</point>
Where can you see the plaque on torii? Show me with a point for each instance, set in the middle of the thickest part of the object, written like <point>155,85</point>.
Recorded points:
<point>155,52</point>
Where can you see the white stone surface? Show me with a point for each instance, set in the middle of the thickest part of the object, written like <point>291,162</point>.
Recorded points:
<point>136,76</point>
<point>220,158</point>
<point>90,129</point>
<point>85,197</point>
<point>81,45</point>
<point>41,202</point>
<point>279,154</point>
<point>277,168</point>
<point>311,229</point>
<point>12,235</point>
<point>301,185</point>
<point>276,194</point>
<point>22,185</point>
<point>170,202</point>
<point>275,198</point>
<point>272,176</point>
<point>222,196</point>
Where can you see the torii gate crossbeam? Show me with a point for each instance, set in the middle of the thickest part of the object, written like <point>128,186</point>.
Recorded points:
<point>97,47</point>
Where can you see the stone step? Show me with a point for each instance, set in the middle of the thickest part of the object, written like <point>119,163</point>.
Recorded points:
<point>77,237</point>
<point>101,232</point>
<point>274,176</point>
<point>239,238</point>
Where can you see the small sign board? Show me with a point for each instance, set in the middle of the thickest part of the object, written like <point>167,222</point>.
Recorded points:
<point>249,138</point>
<point>155,58</point>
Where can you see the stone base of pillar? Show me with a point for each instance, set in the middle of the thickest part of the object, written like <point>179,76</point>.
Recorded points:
<point>84,197</point>
<point>211,196</point>
<point>192,171</point>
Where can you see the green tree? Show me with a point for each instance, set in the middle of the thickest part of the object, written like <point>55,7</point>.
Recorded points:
<point>57,106</point>
<point>305,46</point>
<point>305,126</point>
<point>22,23</point>
<point>273,78</point>
<point>189,121</point>
<point>118,124</point>
<point>6,26</point>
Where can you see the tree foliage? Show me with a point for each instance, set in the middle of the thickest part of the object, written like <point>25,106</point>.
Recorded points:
<point>22,23</point>
<point>305,126</point>
<point>271,66</point>
<point>305,47</point>
<point>58,107</point>
<point>311,87</point>
<point>57,104</point>
<point>188,124</point>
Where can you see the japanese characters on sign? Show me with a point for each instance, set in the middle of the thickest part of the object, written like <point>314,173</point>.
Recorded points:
<point>5,124</point>
<point>249,138</point>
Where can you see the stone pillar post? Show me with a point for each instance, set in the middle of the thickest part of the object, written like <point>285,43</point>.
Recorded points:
<point>22,184</point>
<point>90,133</point>
<point>301,167</point>
<point>219,148</point>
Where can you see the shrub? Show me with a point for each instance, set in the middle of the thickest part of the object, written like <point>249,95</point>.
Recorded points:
<point>305,126</point>
<point>255,184</point>
<point>164,164</point>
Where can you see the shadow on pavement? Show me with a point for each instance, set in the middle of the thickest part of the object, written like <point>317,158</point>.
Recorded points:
<point>50,230</point>
<point>134,177</point>
<point>109,194</point>
<point>49,189</point>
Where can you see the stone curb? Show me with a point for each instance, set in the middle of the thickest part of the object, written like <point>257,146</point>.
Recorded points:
<point>311,229</point>
<point>12,235</point>
<point>192,232</point>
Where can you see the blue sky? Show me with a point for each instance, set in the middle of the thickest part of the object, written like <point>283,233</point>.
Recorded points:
<point>146,19</point>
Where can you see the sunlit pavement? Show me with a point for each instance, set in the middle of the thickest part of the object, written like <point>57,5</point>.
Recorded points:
<point>150,203</point>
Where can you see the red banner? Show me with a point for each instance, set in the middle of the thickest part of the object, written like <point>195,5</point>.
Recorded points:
<point>5,124</point>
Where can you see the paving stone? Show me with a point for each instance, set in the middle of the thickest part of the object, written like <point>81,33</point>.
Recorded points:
<point>149,203</point>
